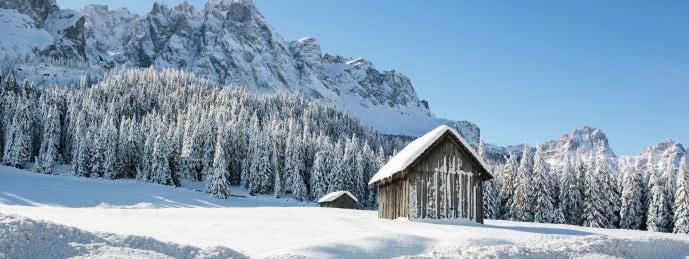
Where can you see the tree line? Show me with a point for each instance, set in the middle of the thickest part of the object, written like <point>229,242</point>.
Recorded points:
<point>168,126</point>
<point>588,191</point>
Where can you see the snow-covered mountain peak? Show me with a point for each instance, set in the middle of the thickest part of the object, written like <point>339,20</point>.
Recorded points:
<point>584,143</point>
<point>308,51</point>
<point>660,157</point>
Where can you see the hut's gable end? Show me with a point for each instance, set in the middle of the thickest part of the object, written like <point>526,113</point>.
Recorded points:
<point>446,147</point>
<point>339,199</point>
<point>343,202</point>
<point>421,146</point>
<point>444,183</point>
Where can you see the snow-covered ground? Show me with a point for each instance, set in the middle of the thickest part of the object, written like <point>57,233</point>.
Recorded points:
<point>98,218</point>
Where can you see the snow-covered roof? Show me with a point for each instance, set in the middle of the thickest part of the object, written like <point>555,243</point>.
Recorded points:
<point>416,148</point>
<point>334,195</point>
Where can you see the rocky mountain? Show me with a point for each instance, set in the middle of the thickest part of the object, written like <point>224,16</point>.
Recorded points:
<point>586,142</point>
<point>228,41</point>
<point>662,158</point>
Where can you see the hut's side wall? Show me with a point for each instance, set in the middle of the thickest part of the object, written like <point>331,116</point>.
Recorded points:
<point>343,202</point>
<point>393,199</point>
<point>445,184</point>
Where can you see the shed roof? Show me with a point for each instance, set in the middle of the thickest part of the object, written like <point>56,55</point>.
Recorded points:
<point>334,195</point>
<point>416,148</point>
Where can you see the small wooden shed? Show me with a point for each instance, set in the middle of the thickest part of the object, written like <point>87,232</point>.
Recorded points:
<point>339,199</point>
<point>437,176</point>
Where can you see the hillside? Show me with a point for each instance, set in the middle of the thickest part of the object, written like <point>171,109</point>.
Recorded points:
<point>72,216</point>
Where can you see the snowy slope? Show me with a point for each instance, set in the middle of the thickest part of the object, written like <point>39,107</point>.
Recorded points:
<point>185,223</point>
<point>19,35</point>
<point>228,41</point>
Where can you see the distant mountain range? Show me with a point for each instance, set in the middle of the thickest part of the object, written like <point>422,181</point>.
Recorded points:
<point>229,41</point>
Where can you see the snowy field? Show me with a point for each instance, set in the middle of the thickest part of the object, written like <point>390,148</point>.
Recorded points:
<point>64,216</point>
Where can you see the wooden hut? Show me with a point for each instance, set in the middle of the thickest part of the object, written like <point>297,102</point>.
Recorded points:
<point>437,176</point>
<point>339,199</point>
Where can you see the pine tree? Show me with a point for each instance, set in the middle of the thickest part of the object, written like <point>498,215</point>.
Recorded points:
<point>160,172</point>
<point>657,219</point>
<point>109,135</point>
<point>147,160</point>
<point>133,151</point>
<point>174,159</point>
<point>19,144</point>
<point>84,159</point>
<point>261,169</point>
<point>97,151</point>
<point>544,210</point>
<point>681,216</point>
<point>319,171</point>
<point>596,205</point>
<point>50,150</point>
<point>570,194</point>
<point>509,174</point>
<point>523,200</point>
<point>294,166</point>
<point>612,201</point>
<point>491,189</point>
<point>218,184</point>
<point>631,211</point>
<point>491,198</point>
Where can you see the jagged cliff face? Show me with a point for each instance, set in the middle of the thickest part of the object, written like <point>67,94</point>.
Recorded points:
<point>584,143</point>
<point>38,10</point>
<point>662,159</point>
<point>228,41</point>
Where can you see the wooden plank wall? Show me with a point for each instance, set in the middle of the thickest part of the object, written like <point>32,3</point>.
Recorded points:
<point>445,184</point>
<point>393,199</point>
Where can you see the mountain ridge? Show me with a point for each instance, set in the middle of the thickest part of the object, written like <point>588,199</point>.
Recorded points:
<point>227,41</point>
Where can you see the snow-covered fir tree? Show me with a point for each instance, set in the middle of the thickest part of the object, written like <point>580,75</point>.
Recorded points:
<point>261,176</point>
<point>570,194</point>
<point>595,213</point>
<point>321,168</point>
<point>658,215</point>
<point>509,175</point>
<point>160,172</point>
<point>49,153</point>
<point>218,184</point>
<point>19,136</point>
<point>681,206</point>
<point>631,211</point>
<point>522,203</point>
<point>109,139</point>
<point>544,207</point>
<point>491,188</point>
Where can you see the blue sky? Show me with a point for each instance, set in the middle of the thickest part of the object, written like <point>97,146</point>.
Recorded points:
<point>524,71</point>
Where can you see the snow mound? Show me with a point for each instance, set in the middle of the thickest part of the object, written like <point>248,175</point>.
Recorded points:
<point>140,205</point>
<point>26,238</point>
<point>593,246</point>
